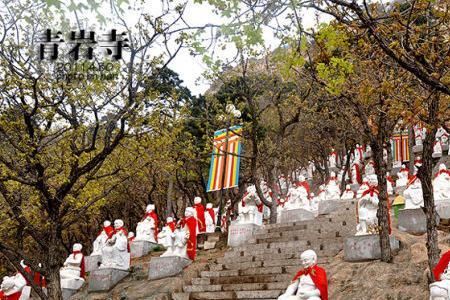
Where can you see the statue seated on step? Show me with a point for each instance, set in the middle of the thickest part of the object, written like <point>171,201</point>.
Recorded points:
<point>413,194</point>
<point>73,272</point>
<point>177,242</point>
<point>440,289</point>
<point>145,230</point>
<point>370,168</point>
<point>310,283</point>
<point>250,208</point>
<point>164,236</point>
<point>441,183</point>
<point>348,193</point>
<point>437,149</point>
<point>332,190</point>
<point>13,288</point>
<point>115,254</point>
<point>104,235</point>
<point>367,208</point>
<point>402,175</point>
<point>297,198</point>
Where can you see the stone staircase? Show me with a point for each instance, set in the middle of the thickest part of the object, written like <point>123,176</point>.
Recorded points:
<point>263,268</point>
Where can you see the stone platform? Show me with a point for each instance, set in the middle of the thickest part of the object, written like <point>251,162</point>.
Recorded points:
<point>239,234</point>
<point>67,293</point>
<point>412,221</point>
<point>141,248</point>
<point>443,208</point>
<point>105,279</point>
<point>162,267</point>
<point>295,215</point>
<point>328,206</point>
<point>365,247</point>
<point>92,262</point>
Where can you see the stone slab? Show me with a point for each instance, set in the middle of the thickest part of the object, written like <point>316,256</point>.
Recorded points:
<point>365,247</point>
<point>141,248</point>
<point>201,238</point>
<point>209,245</point>
<point>295,215</point>
<point>443,208</point>
<point>436,155</point>
<point>105,279</point>
<point>328,206</point>
<point>239,234</point>
<point>67,293</point>
<point>162,267</point>
<point>92,262</point>
<point>412,221</point>
<point>417,148</point>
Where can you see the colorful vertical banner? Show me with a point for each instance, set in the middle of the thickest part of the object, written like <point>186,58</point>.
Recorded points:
<point>400,147</point>
<point>225,162</point>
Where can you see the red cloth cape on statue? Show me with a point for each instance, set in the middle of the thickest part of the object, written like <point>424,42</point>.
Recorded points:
<point>303,184</point>
<point>318,276</point>
<point>125,232</point>
<point>109,230</point>
<point>441,266</point>
<point>442,172</point>
<point>191,224</point>
<point>358,173</point>
<point>171,225</point>
<point>200,217</point>
<point>212,214</point>
<point>14,296</point>
<point>82,265</point>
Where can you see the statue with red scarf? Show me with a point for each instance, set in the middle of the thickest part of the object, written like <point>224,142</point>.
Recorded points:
<point>73,273</point>
<point>310,283</point>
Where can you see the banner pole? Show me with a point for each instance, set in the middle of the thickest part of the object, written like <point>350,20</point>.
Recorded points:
<point>219,214</point>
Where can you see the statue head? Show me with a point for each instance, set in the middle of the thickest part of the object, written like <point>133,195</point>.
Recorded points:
<point>347,186</point>
<point>130,234</point>
<point>373,180</point>
<point>8,283</point>
<point>301,178</point>
<point>106,223</point>
<point>150,208</point>
<point>357,146</point>
<point>308,258</point>
<point>169,219</point>
<point>251,189</point>
<point>332,174</point>
<point>209,205</point>
<point>118,223</point>
<point>442,167</point>
<point>403,166</point>
<point>189,212</point>
<point>312,195</point>
<point>77,247</point>
<point>365,180</point>
<point>197,200</point>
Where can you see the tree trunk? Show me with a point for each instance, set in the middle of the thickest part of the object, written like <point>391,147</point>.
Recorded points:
<point>425,176</point>
<point>346,168</point>
<point>169,198</point>
<point>389,156</point>
<point>382,213</point>
<point>53,263</point>
<point>410,149</point>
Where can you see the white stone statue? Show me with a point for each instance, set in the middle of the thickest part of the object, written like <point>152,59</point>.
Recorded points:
<point>72,273</point>
<point>442,135</point>
<point>209,221</point>
<point>402,175</point>
<point>389,181</point>
<point>177,242</point>
<point>268,195</point>
<point>332,190</point>
<point>283,183</point>
<point>311,168</point>
<point>101,239</point>
<point>248,208</point>
<point>440,290</point>
<point>348,193</point>
<point>115,254</point>
<point>441,183</point>
<point>370,168</point>
<point>303,286</point>
<point>419,135</point>
<point>164,236</point>
<point>145,230</point>
<point>413,194</point>
<point>297,198</point>
<point>15,287</point>
<point>367,209</point>
<point>341,174</point>
<point>355,173</point>
<point>358,154</point>
<point>437,148</point>
<point>332,159</point>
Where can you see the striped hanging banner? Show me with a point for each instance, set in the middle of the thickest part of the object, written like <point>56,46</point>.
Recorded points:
<point>228,167</point>
<point>400,147</point>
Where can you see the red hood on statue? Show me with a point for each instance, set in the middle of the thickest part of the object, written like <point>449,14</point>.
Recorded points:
<point>191,223</point>
<point>200,217</point>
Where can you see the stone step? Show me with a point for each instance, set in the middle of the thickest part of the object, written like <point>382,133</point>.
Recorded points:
<point>262,278</point>
<point>236,287</point>
<point>302,232</point>
<point>266,259</point>
<point>328,223</point>
<point>267,294</point>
